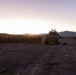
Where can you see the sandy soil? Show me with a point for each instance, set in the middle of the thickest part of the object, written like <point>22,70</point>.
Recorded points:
<point>37,59</point>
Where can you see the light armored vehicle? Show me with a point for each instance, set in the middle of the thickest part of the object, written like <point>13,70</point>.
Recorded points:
<point>52,38</point>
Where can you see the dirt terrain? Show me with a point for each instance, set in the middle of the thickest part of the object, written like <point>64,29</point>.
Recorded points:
<point>37,59</point>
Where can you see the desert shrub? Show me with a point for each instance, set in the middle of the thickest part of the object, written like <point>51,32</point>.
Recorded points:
<point>20,39</point>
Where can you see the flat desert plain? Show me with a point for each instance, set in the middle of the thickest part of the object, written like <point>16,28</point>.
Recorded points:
<point>37,59</point>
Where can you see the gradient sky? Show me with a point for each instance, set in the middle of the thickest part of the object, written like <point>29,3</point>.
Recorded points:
<point>37,16</point>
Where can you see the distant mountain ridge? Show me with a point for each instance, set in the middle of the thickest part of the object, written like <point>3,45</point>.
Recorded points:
<point>67,33</point>
<point>64,33</point>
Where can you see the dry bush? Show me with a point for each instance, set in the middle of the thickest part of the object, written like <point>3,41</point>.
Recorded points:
<point>20,39</point>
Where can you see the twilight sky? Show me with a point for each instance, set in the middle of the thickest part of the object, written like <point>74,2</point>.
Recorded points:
<point>37,16</point>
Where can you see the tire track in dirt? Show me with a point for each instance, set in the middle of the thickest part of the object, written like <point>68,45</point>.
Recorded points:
<point>37,59</point>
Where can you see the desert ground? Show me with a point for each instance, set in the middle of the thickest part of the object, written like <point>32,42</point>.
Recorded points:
<point>37,59</point>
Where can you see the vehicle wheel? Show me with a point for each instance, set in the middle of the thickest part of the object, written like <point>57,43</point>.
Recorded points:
<point>46,42</point>
<point>65,43</point>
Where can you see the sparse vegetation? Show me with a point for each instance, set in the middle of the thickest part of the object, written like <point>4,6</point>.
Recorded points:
<point>20,39</point>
